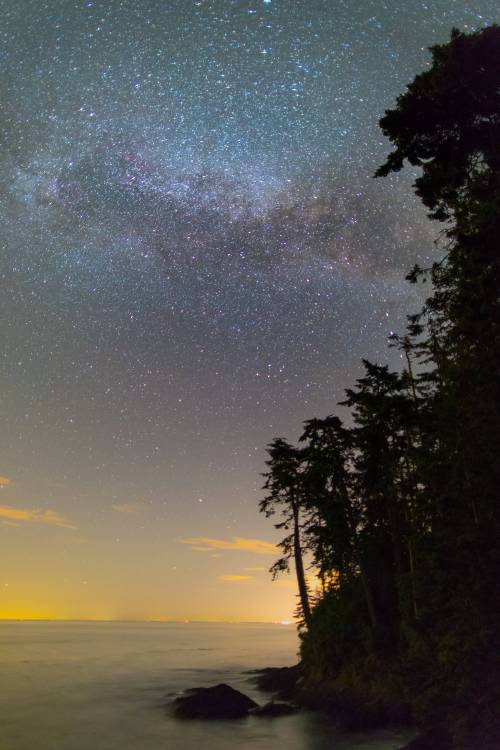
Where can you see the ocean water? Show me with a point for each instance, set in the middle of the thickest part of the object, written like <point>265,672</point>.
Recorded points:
<point>106,686</point>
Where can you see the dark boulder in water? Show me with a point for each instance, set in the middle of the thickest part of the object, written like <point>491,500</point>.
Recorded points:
<point>273,709</point>
<point>218,702</point>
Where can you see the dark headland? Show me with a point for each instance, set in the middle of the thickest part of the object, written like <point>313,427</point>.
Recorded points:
<point>398,507</point>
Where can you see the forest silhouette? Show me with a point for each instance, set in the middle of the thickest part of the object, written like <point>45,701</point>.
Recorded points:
<point>399,509</point>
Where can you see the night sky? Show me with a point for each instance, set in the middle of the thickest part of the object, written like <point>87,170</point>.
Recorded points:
<point>194,259</point>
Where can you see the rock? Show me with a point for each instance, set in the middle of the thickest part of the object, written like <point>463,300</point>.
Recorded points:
<point>355,708</point>
<point>218,702</point>
<point>274,709</point>
<point>279,680</point>
<point>433,740</point>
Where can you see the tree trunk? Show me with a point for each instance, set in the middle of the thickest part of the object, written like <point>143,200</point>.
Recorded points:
<point>406,349</point>
<point>299,568</point>
<point>411,557</point>
<point>411,548</point>
<point>359,562</point>
<point>397,548</point>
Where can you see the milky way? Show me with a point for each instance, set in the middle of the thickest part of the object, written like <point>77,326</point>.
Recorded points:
<point>195,253</point>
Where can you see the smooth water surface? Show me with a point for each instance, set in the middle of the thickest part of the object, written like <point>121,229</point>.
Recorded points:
<point>105,686</point>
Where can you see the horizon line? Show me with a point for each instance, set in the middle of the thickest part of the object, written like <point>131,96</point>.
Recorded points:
<point>149,620</point>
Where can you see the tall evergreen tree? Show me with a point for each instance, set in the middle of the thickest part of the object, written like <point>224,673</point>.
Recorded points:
<point>384,420</point>
<point>286,497</point>
<point>330,494</point>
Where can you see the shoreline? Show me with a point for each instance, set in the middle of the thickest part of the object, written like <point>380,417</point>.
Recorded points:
<point>287,683</point>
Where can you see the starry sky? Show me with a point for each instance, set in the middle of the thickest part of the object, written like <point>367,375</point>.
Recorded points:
<point>194,258</point>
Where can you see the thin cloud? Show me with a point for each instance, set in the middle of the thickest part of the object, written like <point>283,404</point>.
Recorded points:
<point>5,481</point>
<point>235,578</point>
<point>35,515</point>
<point>242,544</point>
<point>257,569</point>
<point>128,508</point>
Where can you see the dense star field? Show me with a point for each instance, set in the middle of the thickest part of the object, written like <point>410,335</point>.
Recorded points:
<point>194,259</point>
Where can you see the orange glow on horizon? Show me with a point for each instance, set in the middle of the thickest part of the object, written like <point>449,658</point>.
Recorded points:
<point>69,575</point>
